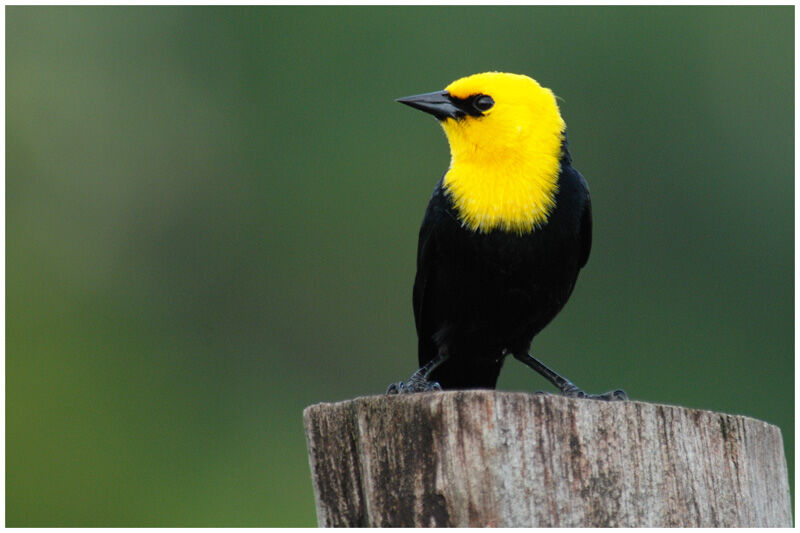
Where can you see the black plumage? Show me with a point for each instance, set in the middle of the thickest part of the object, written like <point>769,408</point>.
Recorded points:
<point>481,296</point>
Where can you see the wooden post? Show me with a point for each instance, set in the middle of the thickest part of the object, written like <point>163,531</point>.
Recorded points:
<point>487,458</point>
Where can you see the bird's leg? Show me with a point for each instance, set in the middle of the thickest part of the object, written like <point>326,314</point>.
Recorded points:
<point>418,382</point>
<point>566,387</point>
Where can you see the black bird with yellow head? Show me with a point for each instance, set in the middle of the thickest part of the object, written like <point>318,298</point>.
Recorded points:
<point>506,232</point>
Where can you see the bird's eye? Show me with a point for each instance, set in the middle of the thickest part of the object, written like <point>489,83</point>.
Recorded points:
<point>483,102</point>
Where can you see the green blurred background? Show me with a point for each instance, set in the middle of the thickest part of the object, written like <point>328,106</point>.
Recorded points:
<point>212,217</point>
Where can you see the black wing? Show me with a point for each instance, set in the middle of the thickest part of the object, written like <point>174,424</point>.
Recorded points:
<point>586,211</point>
<point>586,232</point>
<point>425,313</point>
<point>425,249</point>
<point>585,235</point>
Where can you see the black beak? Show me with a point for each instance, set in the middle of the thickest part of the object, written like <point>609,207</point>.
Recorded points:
<point>438,103</point>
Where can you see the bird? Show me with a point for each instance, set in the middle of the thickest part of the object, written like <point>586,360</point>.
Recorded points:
<point>505,233</point>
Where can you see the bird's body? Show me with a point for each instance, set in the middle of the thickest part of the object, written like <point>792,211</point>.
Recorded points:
<point>482,295</point>
<point>504,236</point>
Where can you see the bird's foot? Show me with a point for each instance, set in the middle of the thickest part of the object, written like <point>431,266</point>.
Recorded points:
<point>413,386</point>
<point>571,391</point>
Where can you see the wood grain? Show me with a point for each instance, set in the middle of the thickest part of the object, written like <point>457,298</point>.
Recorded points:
<point>488,458</point>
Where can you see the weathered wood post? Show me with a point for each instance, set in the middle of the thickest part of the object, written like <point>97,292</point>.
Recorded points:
<point>487,458</point>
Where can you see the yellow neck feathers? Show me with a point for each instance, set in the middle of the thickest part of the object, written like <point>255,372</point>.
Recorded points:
<point>505,164</point>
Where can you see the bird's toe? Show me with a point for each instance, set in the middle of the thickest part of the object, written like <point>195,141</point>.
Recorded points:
<point>396,388</point>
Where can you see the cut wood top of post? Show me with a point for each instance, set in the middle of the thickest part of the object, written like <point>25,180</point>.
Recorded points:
<point>490,458</point>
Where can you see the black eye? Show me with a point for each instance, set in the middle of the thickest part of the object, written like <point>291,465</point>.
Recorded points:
<point>483,102</point>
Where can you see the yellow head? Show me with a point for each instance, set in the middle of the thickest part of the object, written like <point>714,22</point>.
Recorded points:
<point>505,133</point>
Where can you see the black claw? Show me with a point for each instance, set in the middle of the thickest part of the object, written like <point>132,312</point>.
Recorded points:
<point>422,386</point>
<point>619,394</point>
<point>571,391</point>
<point>615,395</point>
<point>413,386</point>
<point>396,388</point>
